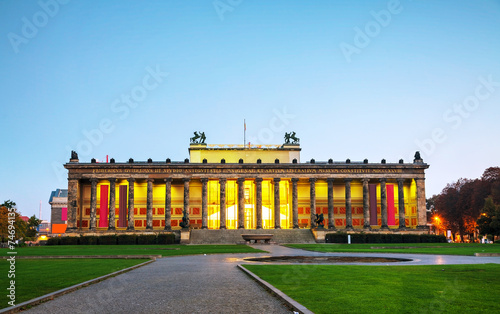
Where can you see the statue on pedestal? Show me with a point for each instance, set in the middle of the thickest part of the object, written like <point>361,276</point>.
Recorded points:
<point>320,221</point>
<point>185,220</point>
<point>290,138</point>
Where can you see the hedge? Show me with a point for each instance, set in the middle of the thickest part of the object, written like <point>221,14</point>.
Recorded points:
<point>68,240</point>
<point>54,241</point>
<point>126,239</point>
<point>87,240</point>
<point>112,239</point>
<point>341,237</point>
<point>166,238</point>
<point>146,239</point>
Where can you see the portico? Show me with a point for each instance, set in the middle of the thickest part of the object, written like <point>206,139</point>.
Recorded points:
<point>239,193</point>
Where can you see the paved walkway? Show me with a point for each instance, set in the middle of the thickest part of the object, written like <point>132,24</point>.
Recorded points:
<point>202,284</point>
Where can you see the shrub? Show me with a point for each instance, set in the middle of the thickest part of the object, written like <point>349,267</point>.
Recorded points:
<point>109,239</point>
<point>411,238</point>
<point>166,238</point>
<point>375,238</point>
<point>146,239</point>
<point>87,240</point>
<point>394,238</point>
<point>68,240</point>
<point>432,238</point>
<point>126,239</point>
<point>54,241</point>
<point>338,237</point>
<point>358,238</point>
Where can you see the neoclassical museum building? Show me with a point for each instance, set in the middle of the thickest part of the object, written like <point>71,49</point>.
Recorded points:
<point>245,187</point>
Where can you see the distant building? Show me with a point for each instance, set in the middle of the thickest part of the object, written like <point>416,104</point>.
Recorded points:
<point>25,218</point>
<point>44,228</point>
<point>58,210</point>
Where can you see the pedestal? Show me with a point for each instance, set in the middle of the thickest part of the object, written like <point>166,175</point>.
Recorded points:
<point>185,236</point>
<point>319,234</point>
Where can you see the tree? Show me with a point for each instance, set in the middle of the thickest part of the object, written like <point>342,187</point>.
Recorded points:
<point>430,206</point>
<point>7,211</point>
<point>492,177</point>
<point>489,221</point>
<point>33,224</point>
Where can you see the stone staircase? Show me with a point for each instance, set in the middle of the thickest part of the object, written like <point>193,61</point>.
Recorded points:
<point>233,236</point>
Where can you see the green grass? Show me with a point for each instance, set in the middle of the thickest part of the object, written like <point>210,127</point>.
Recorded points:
<point>37,277</point>
<point>414,248</point>
<point>164,250</point>
<point>382,289</point>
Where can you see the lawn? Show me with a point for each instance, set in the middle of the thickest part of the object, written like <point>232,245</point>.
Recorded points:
<point>164,250</point>
<point>382,289</point>
<point>414,248</point>
<point>38,277</point>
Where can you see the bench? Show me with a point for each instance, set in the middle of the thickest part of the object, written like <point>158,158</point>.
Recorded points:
<point>256,238</point>
<point>195,226</point>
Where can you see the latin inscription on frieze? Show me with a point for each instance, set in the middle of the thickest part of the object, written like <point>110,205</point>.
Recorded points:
<point>248,171</point>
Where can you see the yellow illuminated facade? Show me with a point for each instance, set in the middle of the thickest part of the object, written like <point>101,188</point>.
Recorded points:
<point>235,187</point>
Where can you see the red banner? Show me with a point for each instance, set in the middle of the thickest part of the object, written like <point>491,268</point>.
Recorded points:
<point>391,212</point>
<point>122,203</point>
<point>373,204</point>
<point>103,207</point>
<point>64,214</point>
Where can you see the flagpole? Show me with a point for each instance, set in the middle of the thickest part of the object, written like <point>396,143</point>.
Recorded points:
<point>244,133</point>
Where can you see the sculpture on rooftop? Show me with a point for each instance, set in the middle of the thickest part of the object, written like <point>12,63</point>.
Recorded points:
<point>418,158</point>
<point>74,155</point>
<point>198,138</point>
<point>290,138</point>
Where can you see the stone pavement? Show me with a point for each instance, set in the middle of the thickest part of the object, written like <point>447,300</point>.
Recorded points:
<point>202,284</point>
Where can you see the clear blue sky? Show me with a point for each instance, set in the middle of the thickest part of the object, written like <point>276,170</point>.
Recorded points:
<point>354,79</point>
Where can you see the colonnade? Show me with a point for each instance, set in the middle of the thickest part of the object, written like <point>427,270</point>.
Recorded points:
<point>421,210</point>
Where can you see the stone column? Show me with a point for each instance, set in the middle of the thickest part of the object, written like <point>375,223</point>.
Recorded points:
<point>131,204</point>
<point>277,217</point>
<point>312,193</point>
<point>186,197</point>
<point>112,204</point>
<point>348,205</point>
<point>93,203</point>
<point>168,204</point>
<point>73,185</point>
<point>366,204</point>
<point>383,203</point>
<point>401,204</point>
<point>421,206</point>
<point>331,217</point>
<point>258,205</point>
<point>295,203</point>
<point>222,211</point>
<point>149,205</point>
<point>204,204</point>
<point>241,203</point>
